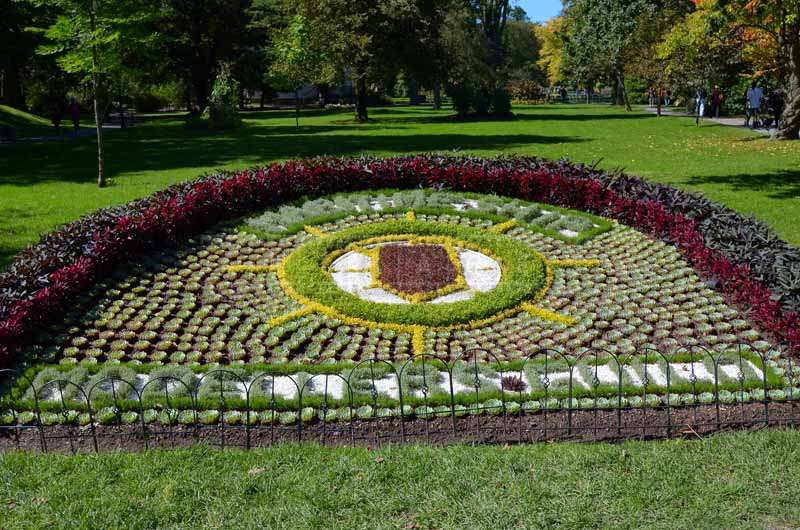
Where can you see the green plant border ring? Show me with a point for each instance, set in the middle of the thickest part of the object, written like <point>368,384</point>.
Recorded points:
<point>526,276</point>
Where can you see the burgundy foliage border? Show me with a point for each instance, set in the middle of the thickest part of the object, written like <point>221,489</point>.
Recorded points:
<point>46,277</point>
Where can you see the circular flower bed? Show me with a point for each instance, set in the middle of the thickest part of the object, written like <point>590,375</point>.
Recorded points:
<point>306,277</point>
<point>239,270</point>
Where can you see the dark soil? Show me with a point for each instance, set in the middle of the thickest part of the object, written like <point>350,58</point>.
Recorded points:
<point>416,268</point>
<point>578,425</point>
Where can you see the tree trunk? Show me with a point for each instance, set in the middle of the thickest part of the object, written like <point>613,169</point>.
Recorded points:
<point>361,99</point>
<point>98,120</point>
<point>437,95</point>
<point>200,79</point>
<point>323,95</point>
<point>413,92</point>
<point>658,101</point>
<point>297,107</point>
<point>790,128</point>
<point>622,92</point>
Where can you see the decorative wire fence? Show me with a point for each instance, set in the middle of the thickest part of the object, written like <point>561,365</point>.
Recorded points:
<point>550,395</point>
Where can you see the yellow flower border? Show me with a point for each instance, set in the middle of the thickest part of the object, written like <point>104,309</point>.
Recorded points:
<point>502,228</point>
<point>416,331</point>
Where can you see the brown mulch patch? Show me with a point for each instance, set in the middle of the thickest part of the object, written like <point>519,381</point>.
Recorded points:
<point>579,425</point>
<point>416,268</point>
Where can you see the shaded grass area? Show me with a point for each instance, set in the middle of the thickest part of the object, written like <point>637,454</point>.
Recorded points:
<point>44,185</point>
<point>741,480</point>
<point>24,123</point>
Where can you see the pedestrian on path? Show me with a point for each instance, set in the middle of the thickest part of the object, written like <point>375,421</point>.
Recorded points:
<point>716,101</point>
<point>699,105</point>
<point>776,104</point>
<point>754,99</point>
<point>55,118</point>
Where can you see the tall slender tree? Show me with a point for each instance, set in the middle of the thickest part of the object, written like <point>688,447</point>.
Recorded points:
<point>93,38</point>
<point>598,35</point>
<point>299,61</point>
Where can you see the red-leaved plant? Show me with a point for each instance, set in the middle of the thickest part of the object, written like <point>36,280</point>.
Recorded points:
<point>42,288</point>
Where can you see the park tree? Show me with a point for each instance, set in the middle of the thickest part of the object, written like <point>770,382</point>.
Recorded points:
<point>692,53</point>
<point>265,19</point>
<point>467,48</point>
<point>349,29</point>
<point>17,47</point>
<point>522,50</point>
<point>360,38</point>
<point>647,58</point>
<point>96,40</point>
<point>299,60</point>
<point>476,37</point>
<point>599,35</point>
<point>551,55</point>
<point>778,21</point>
<point>422,52</point>
<point>492,16</point>
<point>199,35</point>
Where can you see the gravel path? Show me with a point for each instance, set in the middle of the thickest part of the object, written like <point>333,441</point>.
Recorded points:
<point>731,122</point>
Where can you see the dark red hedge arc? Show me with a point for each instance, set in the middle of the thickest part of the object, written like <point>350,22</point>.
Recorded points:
<point>45,277</point>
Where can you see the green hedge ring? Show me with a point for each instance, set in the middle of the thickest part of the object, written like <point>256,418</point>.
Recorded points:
<point>526,275</point>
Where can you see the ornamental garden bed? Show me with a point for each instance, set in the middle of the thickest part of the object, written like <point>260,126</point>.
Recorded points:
<point>259,299</point>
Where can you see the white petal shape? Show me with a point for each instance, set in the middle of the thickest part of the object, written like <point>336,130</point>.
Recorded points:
<point>481,272</point>
<point>351,261</point>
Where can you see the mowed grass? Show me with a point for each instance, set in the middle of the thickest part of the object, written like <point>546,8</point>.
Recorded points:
<point>742,480</point>
<point>47,184</point>
<point>24,123</point>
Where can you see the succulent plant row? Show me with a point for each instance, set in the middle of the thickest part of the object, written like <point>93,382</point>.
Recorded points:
<point>292,218</point>
<point>50,277</point>
<point>418,382</point>
<point>186,307</point>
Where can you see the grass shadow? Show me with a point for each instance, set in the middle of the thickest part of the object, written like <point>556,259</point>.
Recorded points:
<point>783,184</point>
<point>177,148</point>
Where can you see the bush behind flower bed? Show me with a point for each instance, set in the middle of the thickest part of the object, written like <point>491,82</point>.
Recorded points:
<point>738,255</point>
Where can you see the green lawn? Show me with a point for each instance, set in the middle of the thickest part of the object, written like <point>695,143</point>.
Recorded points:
<point>743,480</point>
<point>43,185</point>
<point>25,124</point>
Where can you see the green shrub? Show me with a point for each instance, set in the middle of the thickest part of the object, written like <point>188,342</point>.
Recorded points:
<point>462,96</point>
<point>223,105</point>
<point>501,102</point>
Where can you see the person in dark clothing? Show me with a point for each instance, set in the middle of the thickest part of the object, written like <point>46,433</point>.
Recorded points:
<point>716,101</point>
<point>55,118</point>
<point>75,114</point>
<point>777,105</point>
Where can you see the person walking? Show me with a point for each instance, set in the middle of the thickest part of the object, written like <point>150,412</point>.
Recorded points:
<point>754,99</point>
<point>667,98</point>
<point>75,115</point>
<point>55,118</point>
<point>716,101</point>
<point>699,105</point>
